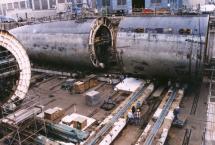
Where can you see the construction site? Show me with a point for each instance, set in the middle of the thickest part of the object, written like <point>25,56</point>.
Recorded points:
<point>108,80</point>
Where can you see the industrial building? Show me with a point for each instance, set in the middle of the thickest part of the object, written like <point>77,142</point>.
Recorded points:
<point>158,4</point>
<point>119,6</point>
<point>44,8</point>
<point>195,3</point>
<point>27,8</point>
<point>41,8</point>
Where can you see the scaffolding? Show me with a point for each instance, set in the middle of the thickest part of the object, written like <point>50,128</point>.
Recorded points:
<point>21,125</point>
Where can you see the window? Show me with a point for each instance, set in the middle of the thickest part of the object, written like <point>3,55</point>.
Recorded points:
<point>151,30</point>
<point>4,8</point>
<point>185,31</point>
<point>168,30</point>
<point>0,11</point>
<point>44,4</point>
<point>155,1</point>
<point>9,6</point>
<point>79,1</point>
<point>52,3</point>
<point>159,30</point>
<point>16,5</point>
<point>29,4</point>
<point>61,1</point>
<point>105,2</point>
<point>22,5</point>
<point>136,30</point>
<point>121,2</point>
<point>139,30</point>
<point>36,4</point>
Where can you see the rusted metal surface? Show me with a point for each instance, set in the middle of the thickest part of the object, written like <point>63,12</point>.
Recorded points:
<point>155,46</point>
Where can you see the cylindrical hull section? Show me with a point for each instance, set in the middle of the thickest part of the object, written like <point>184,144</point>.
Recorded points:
<point>64,42</point>
<point>159,46</point>
<point>59,48</point>
<point>153,46</point>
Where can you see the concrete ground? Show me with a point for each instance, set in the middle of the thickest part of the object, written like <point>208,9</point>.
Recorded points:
<point>51,95</point>
<point>128,136</point>
<point>196,118</point>
<point>195,121</point>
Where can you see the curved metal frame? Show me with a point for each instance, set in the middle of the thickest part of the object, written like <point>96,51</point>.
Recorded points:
<point>9,42</point>
<point>103,21</point>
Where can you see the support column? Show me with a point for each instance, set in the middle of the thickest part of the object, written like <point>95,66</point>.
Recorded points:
<point>33,7</point>
<point>1,9</point>
<point>48,2</point>
<point>40,4</point>
<point>26,4</point>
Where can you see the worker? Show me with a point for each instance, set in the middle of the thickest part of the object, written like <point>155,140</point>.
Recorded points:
<point>137,117</point>
<point>176,112</point>
<point>130,117</point>
<point>109,100</point>
<point>110,81</point>
<point>139,105</point>
<point>133,109</point>
<point>177,85</point>
<point>122,77</point>
<point>169,83</point>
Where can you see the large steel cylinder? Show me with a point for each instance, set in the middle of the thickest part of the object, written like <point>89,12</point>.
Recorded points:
<point>81,44</point>
<point>164,46</point>
<point>15,72</point>
<point>157,46</point>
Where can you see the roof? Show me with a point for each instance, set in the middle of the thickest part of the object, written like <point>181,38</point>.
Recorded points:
<point>129,85</point>
<point>73,116</point>
<point>80,119</point>
<point>53,110</point>
<point>92,93</point>
<point>78,83</point>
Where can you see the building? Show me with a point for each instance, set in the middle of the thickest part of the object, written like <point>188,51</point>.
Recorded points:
<point>122,6</point>
<point>195,3</point>
<point>10,5</point>
<point>175,4</point>
<point>112,6</point>
<point>41,8</point>
<point>158,4</point>
<point>27,8</point>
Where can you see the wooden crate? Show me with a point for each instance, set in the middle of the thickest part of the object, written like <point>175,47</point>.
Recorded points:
<point>54,113</point>
<point>79,87</point>
<point>86,85</point>
<point>93,82</point>
<point>80,123</point>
